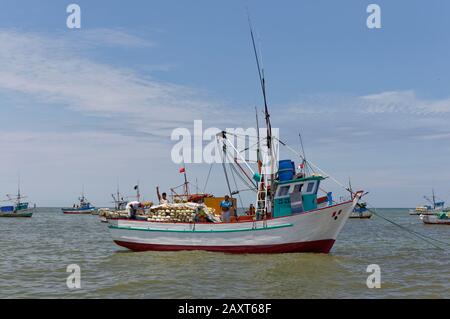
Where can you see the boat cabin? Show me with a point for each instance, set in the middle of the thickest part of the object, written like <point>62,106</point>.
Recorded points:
<point>296,196</point>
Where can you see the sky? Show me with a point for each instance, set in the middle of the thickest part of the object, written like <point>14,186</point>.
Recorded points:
<point>96,106</point>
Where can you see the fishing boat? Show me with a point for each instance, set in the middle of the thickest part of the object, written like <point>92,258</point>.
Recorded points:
<point>120,204</point>
<point>361,211</point>
<point>82,208</point>
<point>431,209</point>
<point>290,216</point>
<point>19,208</point>
<point>441,218</point>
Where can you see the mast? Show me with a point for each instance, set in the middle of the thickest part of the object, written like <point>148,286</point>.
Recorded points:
<point>186,188</point>
<point>18,190</point>
<point>434,199</point>
<point>118,192</point>
<point>266,109</point>
<point>118,195</point>
<point>258,145</point>
<point>82,193</point>
<point>303,152</point>
<point>138,194</point>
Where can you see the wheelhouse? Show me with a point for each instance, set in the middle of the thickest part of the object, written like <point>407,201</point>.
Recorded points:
<point>296,195</point>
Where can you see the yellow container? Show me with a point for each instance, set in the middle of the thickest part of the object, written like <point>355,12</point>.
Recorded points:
<point>214,202</point>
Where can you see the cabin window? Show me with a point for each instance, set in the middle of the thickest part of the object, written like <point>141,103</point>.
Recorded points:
<point>284,190</point>
<point>298,188</point>
<point>310,187</point>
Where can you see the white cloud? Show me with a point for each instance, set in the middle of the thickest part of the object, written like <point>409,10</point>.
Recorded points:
<point>111,37</point>
<point>51,70</point>
<point>405,102</point>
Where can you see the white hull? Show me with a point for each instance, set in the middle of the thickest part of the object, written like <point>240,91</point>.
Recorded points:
<point>313,231</point>
<point>21,213</point>
<point>435,220</point>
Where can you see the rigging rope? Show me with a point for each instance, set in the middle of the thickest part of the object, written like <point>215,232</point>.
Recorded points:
<point>224,151</point>
<point>235,185</point>
<point>207,178</point>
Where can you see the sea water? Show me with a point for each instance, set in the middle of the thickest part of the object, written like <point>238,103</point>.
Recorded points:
<point>36,252</point>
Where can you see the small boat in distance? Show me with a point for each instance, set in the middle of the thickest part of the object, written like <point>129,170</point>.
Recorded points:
<point>361,211</point>
<point>82,208</point>
<point>120,204</point>
<point>19,208</point>
<point>441,218</point>
<point>433,208</point>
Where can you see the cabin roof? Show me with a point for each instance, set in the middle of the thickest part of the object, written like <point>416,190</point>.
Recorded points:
<point>304,179</point>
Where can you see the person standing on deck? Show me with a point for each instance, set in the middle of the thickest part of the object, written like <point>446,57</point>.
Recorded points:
<point>162,198</point>
<point>251,210</point>
<point>226,206</point>
<point>132,208</point>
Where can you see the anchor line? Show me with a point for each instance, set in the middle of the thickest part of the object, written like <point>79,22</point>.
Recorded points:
<point>421,236</point>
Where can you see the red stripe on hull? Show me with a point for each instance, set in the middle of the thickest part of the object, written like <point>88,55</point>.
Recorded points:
<point>318,246</point>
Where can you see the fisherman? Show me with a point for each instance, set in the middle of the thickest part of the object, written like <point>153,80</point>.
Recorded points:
<point>162,198</point>
<point>251,210</point>
<point>132,209</point>
<point>226,206</point>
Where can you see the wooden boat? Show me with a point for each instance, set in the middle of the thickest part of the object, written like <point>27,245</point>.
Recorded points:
<point>18,209</point>
<point>431,209</point>
<point>311,231</point>
<point>120,204</point>
<point>361,212</point>
<point>438,219</point>
<point>82,208</point>
<point>289,216</point>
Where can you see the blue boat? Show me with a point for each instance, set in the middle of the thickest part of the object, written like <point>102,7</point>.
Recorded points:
<point>361,211</point>
<point>82,208</point>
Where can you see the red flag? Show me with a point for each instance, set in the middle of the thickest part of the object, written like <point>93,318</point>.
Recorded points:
<point>182,170</point>
<point>300,166</point>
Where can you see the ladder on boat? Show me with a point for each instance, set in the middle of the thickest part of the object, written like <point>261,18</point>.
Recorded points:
<point>262,201</point>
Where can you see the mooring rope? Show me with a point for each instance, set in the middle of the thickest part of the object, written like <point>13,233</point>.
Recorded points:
<point>425,238</point>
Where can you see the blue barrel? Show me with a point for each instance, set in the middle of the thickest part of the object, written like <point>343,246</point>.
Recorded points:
<point>285,170</point>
